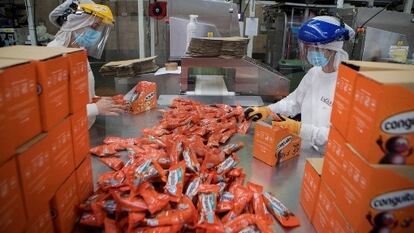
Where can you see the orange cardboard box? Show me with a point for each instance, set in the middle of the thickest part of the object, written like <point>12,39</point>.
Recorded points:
<point>61,152</point>
<point>78,77</point>
<point>34,160</point>
<point>12,218</point>
<point>42,223</point>
<point>345,87</point>
<point>52,75</point>
<point>144,97</point>
<point>19,105</point>
<point>80,135</point>
<point>328,218</point>
<point>383,115</point>
<point>310,185</point>
<point>84,179</point>
<point>274,145</point>
<point>368,194</point>
<point>64,205</point>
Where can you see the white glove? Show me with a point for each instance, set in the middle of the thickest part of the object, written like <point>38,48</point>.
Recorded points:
<point>107,107</point>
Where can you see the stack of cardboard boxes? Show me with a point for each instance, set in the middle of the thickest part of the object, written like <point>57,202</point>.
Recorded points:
<point>44,169</point>
<point>367,180</point>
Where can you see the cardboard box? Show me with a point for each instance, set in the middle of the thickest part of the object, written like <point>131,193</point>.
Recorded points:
<point>64,205</point>
<point>345,86</point>
<point>52,75</point>
<point>12,218</point>
<point>310,185</point>
<point>364,192</point>
<point>84,179</point>
<point>34,160</point>
<point>274,145</point>
<point>144,97</point>
<point>383,115</point>
<point>80,135</point>
<point>62,152</point>
<point>328,218</point>
<point>42,223</point>
<point>78,77</point>
<point>19,105</point>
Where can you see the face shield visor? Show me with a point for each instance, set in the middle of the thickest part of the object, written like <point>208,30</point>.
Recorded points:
<point>323,55</point>
<point>92,36</point>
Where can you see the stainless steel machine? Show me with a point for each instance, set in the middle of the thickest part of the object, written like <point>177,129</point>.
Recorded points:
<point>217,16</point>
<point>383,30</point>
<point>244,76</point>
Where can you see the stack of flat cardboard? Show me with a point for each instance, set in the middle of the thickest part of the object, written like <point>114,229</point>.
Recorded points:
<point>227,47</point>
<point>128,68</point>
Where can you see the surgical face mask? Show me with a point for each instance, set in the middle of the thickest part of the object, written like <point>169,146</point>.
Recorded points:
<point>88,38</point>
<point>317,58</point>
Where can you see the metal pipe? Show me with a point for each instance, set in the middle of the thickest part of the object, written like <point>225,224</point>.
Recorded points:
<point>252,8</point>
<point>32,29</point>
<point>152,35</point>
<point>340,4</point>
<point>141,40</point>
<point>408,5</point>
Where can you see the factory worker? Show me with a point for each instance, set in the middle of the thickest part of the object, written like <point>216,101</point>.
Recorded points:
<point>320,39</point>
<point>84,24</point>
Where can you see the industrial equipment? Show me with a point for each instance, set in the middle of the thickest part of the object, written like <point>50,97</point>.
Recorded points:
<point>243,76</point>
<point>221,19</point>
<point>382,28</point>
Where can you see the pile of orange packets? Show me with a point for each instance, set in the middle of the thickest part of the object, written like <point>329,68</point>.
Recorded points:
<point>182,177</point>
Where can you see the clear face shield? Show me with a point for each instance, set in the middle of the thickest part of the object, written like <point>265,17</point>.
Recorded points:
<point>92,36</point>
<point>317,55</point>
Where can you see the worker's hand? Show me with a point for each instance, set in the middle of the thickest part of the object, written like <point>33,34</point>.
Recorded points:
<point>289,124</point>
<point>257,113</point>
<point>107,107</point>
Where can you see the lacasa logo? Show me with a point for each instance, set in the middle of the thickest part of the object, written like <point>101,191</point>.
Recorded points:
<point>282,144</point>
<point>402,123</point>
<point>394,200</point>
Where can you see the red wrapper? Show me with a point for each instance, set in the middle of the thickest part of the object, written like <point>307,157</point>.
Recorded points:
<point>280,211</point>
<point>105,150</point>
<point>185,213</point>
<point>175,181</point>
<point>113,162</point>
<point>258,204</point>
<point>155,201</point>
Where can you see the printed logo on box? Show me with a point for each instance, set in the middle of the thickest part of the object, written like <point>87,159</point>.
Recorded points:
<point>402,123</point>
<point>394,200</point>
<point>283,143</point>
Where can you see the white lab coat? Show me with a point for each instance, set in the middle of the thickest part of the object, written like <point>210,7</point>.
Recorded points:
<point>62,40</point>
<point>313,98</point>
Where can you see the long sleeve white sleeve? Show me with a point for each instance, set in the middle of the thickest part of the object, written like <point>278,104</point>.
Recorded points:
<point>91,109</point>
<point>313,99</point>
<point>58,11</point>
<point>291,105</point>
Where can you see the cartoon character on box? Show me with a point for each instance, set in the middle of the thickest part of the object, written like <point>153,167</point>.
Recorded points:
<point>396,150</point>
<point>144,98</point>
<point>385,222</point>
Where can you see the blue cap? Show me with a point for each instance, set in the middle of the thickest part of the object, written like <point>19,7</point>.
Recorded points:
<point>318,31</point>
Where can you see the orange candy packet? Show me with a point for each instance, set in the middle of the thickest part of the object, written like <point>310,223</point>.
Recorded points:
<point>258,204</point>
<point>175,181</point>
<point>279,211</point>
<point>155,201</point>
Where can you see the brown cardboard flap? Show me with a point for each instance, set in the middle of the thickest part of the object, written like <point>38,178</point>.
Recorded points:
<point>403,78</point>
<point>372,66</point>
<point>128,62</point>
<point>30,52</point>
<point>4,62</point>
<point>317,164</point>
<point>65,50</point>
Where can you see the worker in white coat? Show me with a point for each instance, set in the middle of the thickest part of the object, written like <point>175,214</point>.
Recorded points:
<point>321,40</point>
<point>84,24</point>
